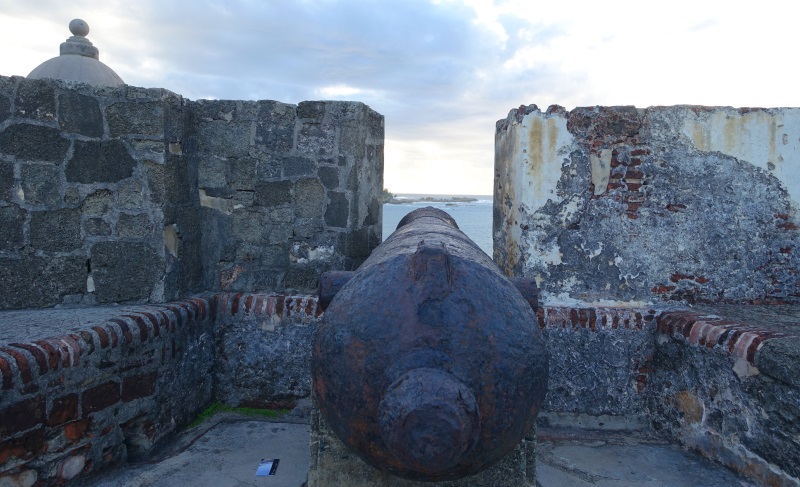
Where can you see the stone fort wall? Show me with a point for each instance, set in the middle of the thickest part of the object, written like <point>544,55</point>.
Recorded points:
<point>132,195</point>
<point>666,203</point>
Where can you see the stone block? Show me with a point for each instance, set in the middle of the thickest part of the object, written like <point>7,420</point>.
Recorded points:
<point>41,184</point>
<point>303,279</point>
<point>329,176</point>
<point>177,183</point>
<point>299,166</point>
<point>131,278</point>
<point>5,108</point>
<point>156,182</point>
<point>243,173</point>
<point>273,193</point>
<point>275,127</point>
<point>249,226</point>
<point>80,114</point>
<point>12,223</point>
<point>338,209</point>
<point>99,162</point>
<point>96,227</point>
<point>314,110</point>
<point>306,228</point>
<point>36,99</point>
<point>268,166</point>
<point>134,226</point>
<point>34,143</point>
<point>309,198</point>
<point>32,282</point>
<point>130,194</point>
<point>6,181</point>
<point>149,150</point>
<point>224,139</point>
<point>317,140</point>
<point>145,118</point>
<point>212,172</point>
<point>98,203</point>
<point>56,230</point>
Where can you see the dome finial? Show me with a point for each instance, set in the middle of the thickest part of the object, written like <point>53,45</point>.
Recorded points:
<point>79,27</point>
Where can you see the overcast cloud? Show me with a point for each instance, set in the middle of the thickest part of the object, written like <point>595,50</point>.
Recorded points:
<point>442,72</point>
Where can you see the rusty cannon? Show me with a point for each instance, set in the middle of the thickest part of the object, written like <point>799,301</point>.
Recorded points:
<point>428,362</point>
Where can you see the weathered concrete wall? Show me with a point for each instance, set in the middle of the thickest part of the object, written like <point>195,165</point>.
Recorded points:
<point>89,185</point>
<point>137,195</point>
<point>288,191</point>
<point>688,203</point>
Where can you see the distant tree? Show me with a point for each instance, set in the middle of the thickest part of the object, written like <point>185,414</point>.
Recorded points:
<point>386,196</point>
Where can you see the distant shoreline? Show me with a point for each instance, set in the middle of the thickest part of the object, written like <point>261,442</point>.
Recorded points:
<point>430,199</point>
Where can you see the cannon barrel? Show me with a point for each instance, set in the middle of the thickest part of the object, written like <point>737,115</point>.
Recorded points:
<point>428,362</point>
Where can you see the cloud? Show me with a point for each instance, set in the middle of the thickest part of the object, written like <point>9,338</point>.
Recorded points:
<point>441,71</point>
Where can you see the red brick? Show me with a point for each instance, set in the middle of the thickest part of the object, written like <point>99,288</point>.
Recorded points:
<point>153,321</point>
<point>22,363</point>
<point>235,304</point>
<point>280,305</point>
<point>63,410</point>
<point>8,375</point>
<point>143,331</point>
<point>103,335</point>
<point>73,349</point>
<point>100,397</point>
<point>125,328</point>
<point>38,354</point>
<point>76,429</point>
<point>22,416</point>
<point>53,354</point>
<point>24,448</point>
<point>138,386</point>
<point>640,152</point>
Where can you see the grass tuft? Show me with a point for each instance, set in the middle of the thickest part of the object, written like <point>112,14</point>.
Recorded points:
<point>218,407</point>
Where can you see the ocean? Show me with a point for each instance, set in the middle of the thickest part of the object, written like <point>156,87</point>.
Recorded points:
<point>473,218</point>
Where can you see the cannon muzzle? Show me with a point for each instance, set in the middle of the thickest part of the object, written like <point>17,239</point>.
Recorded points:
<point>428,362</point>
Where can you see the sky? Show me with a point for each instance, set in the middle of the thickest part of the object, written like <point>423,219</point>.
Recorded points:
<point>442,72</point>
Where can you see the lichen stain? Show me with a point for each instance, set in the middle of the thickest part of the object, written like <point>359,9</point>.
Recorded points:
<point>543,135</point>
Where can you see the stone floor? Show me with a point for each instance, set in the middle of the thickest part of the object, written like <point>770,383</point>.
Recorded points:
<point>226,450</point>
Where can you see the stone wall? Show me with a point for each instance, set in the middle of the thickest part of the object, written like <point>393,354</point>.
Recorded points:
<point>135,195</point>
<point>664,203</point>
<point>89,186</point>
<point>288,191</point>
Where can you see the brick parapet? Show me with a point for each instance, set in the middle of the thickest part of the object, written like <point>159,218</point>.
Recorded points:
<point>740,341</point>
<point>79,397</point>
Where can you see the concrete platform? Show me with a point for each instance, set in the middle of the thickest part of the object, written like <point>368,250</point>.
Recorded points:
<point>226,450</point>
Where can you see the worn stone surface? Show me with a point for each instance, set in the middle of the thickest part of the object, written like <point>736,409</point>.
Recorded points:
<point>621,203</point>
<point>80,114</point>
<point>40,184</point>
<point>130,278</point>
<point>334,465</point>
<point>56,231</point>
<point>33,143</point>
<point>100,162</point>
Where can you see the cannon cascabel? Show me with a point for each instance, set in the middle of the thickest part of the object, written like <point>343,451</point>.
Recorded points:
<point>429,362</point>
